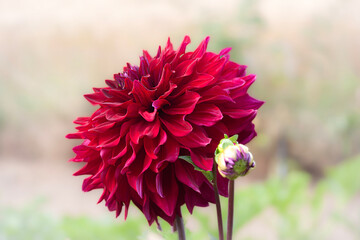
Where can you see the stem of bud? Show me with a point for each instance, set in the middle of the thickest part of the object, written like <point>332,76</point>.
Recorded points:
<point>180,227</point>
<point>231,210</point>
<point>218,206</point>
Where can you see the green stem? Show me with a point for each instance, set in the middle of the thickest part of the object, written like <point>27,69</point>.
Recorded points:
<point>230,211</point>
<point>218,205</point>
<point>180,227</point>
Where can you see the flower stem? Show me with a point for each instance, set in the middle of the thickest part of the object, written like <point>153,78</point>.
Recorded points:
<point>180,227</point>
<point>218,206</point>
<point>230,211</point>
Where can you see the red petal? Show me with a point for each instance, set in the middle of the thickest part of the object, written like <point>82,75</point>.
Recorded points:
<point>200,80</point>
<point>238,113</point>
<point>211,64</point>
<point>128,159</point>
<point>163,84</point>
<point>143,128</point>
<point>181,50</point>
<point>95,98</point>
<point>215,94</point>
<point>176,125</point>
<point>136,182</point>
<point>233,83</point>
<point>148,116</point>
<point>169,152</point>
<point>197,138</point>
<point>185,68</point>
<point>185,173</point>
<point>100,128</point>
<point>242,89</point>
<point>152,146</point>
<point>225,51</point>
<point>167,188</point>
<point>247,102</point>
<point>200,160</point>
<point>184,104</point>
<point>201,49</point>
<point>205,115</point>
<point>142,94</point>
<point>74,135</point>
<point>159,103</point>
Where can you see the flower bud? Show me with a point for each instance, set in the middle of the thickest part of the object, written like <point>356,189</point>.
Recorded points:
<point>234,161</point>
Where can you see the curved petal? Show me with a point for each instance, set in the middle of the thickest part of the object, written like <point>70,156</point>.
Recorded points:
<point>176,125</point>
<point>196,138</point>
<point>183,104</point>
<point>205,115</point>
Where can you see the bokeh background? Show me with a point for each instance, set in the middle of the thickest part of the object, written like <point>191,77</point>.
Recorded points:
<point>306,55</point>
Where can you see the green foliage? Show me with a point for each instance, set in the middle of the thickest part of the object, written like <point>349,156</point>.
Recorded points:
<point>28,223</point>
<point>91,229</point>
<point>344,180</point>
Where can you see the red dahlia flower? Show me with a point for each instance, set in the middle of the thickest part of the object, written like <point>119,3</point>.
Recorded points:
<point>174,104</point>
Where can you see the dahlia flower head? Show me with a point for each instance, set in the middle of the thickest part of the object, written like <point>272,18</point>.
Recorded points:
<point>174,104</point>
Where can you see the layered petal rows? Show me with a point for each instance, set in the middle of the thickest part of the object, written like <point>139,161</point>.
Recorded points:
<point>175,104</point>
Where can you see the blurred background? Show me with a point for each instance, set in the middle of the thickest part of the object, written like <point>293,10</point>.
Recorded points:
<point>306,55</point>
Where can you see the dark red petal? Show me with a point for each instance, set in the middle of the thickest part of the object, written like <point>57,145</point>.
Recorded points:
<point>181,50</point>
<point>215,95</point>
<point>169,152</point>
<point>196,138</point>
<point>225,51</point>
<point>117,116</point>
<point>201,49</point>
<point>150,181</point>
<point>200,160</point>
<point>185,68</point>
<point>95,98</point>
<point>143,128</point>
<point>89,168</point>
<point>142,94</point>
<point>186,174</point>
<point>136,182</point>
<point>74,135</point>
<point>193,199</point>
<point>176,125</point>
<point>148,116</point>
<point>109,139</point>
<point>232,84</point>
<point>238,126</point>
<point>232,70</point>
<point>211,64</point>
<point>152,146</point>
<point>240,90</point>
<point>238,113</point>
<point>167,188</point>
<point>82,120</point>
<point>205,115</point>
<point>199,80</point>
<point>159,103</point>
<point>247,134</point>
<point>163,84</point>
<point>100,128</point>
<point>184,104</point>
<point>149,146</point>
<point>90,184</point>
<point>247,102</point>
<point>222,184</point>
<point>128,159</point>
